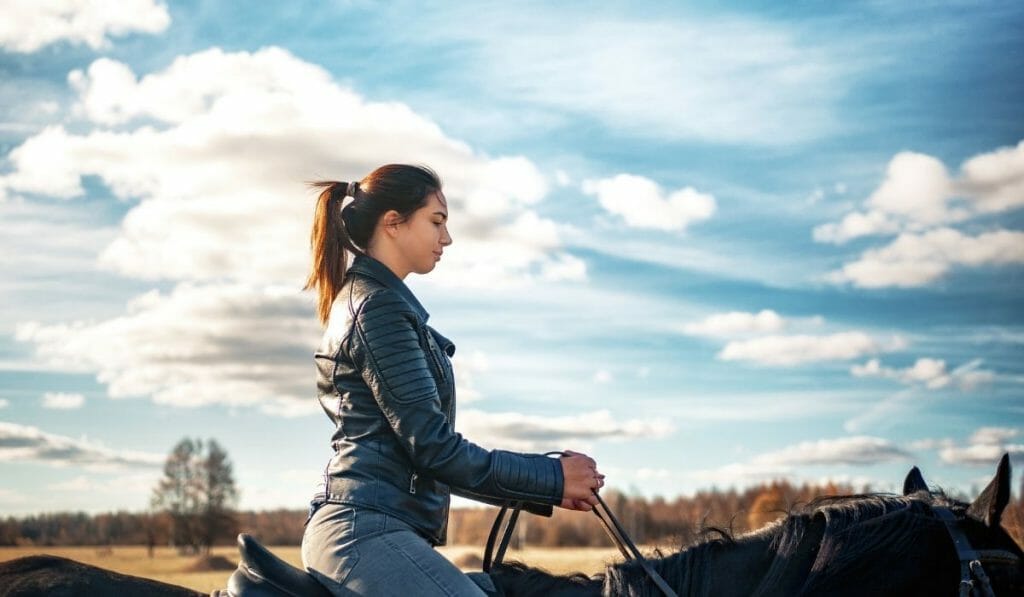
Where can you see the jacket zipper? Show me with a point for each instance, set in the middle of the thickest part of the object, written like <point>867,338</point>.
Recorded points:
<point>412,483</point>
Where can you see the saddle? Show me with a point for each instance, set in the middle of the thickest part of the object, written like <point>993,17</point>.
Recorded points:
<point>262,574</point>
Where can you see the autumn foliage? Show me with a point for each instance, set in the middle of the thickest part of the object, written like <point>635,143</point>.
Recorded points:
<point>665,523</point>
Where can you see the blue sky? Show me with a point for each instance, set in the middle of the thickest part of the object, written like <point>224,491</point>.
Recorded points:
<point>711,245</point>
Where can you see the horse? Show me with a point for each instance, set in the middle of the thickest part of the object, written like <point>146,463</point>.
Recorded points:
<point>876,544</point>
<point>919,543</point>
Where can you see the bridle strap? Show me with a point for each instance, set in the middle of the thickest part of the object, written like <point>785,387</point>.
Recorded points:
<point>623,542</point>
<point>973,579</point>
<point>608,521</point>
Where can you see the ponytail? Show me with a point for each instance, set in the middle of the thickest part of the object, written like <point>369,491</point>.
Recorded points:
<point>330,244</point>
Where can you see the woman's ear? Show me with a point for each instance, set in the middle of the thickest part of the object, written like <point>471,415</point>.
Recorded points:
<point>390,221</point>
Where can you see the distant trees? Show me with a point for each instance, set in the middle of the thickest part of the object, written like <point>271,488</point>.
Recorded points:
<point>669,523</point>
<point>197,494</point>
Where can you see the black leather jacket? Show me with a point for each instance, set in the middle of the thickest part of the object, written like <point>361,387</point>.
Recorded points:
<point>386,381</point>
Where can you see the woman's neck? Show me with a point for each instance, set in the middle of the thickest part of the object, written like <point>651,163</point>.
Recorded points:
<point>389,257</point>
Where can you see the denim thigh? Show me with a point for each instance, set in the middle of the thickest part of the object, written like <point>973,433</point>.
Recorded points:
<point>354,551</point>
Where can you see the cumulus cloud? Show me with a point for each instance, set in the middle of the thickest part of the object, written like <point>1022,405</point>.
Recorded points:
<point>20,443</point>
<point>63,401</point>
<point>984,448</point>
<point>919,201</point>
<point>995,180</point>
<point>29,25</point>
<point>736,323</point>
<point>642,203</point>
<point>211,155</point>
<point>537,433</point>
<point>918,259</point>
<point>799,349</point>
<point>215,149</point>
<point>233,345</point>
<point>854,225</point>
<point>930,373</point>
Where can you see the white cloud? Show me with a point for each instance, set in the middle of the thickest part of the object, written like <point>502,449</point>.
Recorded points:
<point>20,442</point>
<point>854,450</point>
<point>30,24</point>
<point>219,179</point>
<point>845,451</point>
<point>918,201</point>
<point>979,454</point>
<point>736,323</point>
<point>931,373</point>
<point>995,180</point>
<point>602,376</point>
<point>63,401</point>
<point>919,259</point>
<point>643,204</point>
<point>993,435</point>
<point>856,224</point>
<point>4,403</point>
<point>916,188</point>
<point>984,447</point>
<point>517,431</point>
<point>234,345</point>
<point>799,349</point>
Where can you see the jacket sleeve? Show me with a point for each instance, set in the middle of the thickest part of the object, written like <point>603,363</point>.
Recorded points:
<point>531,507</point>
<point>385,347</point>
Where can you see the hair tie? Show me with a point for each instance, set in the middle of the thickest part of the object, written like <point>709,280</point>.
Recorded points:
<point>353,188</point>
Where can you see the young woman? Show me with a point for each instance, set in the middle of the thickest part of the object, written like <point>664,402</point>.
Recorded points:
<point>386,382</point>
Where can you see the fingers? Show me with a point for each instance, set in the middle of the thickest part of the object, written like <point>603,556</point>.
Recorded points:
<point>582,481</point>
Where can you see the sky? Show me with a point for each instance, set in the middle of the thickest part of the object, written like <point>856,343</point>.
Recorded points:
<point>710,244</point>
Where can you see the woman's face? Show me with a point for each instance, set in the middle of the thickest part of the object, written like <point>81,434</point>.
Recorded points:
<point>424,235</point>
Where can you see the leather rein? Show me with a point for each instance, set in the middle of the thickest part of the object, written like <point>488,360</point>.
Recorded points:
<point>973,580</point>
<point>611,525</point>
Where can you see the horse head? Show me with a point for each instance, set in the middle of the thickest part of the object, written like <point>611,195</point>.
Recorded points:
<point>989,560</point>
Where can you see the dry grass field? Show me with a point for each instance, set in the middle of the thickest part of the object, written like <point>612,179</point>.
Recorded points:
<point>167,566</point>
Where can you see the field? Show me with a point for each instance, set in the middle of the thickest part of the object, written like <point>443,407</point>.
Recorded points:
<point>167,566</point>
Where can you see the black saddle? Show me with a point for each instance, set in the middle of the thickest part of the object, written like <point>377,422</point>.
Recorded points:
<point>262,574</point>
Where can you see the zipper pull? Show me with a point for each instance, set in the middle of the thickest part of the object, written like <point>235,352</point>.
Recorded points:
<point>412,483</point>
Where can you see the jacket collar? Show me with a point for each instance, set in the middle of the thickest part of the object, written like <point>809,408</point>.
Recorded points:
<point>371,268</point>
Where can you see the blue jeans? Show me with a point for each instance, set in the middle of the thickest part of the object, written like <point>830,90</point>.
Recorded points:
<point>355,551</point>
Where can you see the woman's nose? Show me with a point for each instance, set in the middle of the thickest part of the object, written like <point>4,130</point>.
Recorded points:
<point>446,238</point>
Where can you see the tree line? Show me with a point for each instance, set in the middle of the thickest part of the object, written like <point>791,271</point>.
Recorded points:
<point>193,509</point>
<point>656,521</point>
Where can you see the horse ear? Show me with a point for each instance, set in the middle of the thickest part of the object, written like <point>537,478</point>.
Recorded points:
<point>914,482</point>
<point>988,507</point>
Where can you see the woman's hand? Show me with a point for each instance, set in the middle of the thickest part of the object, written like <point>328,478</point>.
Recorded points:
<point>581,481</point>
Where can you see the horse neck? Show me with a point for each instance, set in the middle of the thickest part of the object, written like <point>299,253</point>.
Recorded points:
<point>759,564</point>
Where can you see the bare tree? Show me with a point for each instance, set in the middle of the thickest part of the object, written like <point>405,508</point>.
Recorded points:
<point>198,494</point>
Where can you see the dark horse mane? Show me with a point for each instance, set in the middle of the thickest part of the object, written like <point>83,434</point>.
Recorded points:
<point>843,529</point>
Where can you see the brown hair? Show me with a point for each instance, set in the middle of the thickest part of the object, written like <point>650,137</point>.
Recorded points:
<point>339,231</point>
